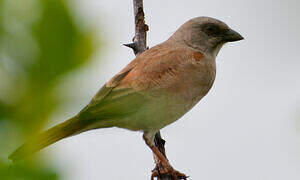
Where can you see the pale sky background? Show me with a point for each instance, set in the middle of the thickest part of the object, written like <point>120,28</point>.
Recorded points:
<point>246,128</point>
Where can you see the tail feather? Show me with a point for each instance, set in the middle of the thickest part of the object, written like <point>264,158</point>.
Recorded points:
<point>52,135</point>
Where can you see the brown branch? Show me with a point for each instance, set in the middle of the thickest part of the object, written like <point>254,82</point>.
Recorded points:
<point>139,45</point>
<point>139,41</point>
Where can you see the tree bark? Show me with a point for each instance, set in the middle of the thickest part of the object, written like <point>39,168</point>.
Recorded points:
<point>140,39</point>
<point>139,45</point>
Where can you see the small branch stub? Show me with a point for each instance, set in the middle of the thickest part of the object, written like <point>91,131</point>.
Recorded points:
<point>133,46</point>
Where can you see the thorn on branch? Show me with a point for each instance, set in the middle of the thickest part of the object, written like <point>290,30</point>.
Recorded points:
<point>133,46</point>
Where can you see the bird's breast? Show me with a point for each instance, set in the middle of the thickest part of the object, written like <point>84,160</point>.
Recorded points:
<point>193,82</point>
<point>197,85</point>
<point>183,92</point>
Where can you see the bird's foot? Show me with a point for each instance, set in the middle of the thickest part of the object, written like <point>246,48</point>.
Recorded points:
<point>167,171</point>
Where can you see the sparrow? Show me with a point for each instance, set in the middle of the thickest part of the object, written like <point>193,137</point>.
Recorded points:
<point>154,90</point>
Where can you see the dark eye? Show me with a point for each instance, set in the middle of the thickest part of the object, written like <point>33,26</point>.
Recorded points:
<point>212,30</point>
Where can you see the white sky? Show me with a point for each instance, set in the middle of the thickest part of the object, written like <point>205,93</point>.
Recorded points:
<point>246,128</point>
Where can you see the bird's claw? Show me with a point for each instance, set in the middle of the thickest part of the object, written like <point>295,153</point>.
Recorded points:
<point>167,171</point>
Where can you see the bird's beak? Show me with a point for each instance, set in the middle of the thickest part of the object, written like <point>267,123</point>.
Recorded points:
<point>231,36</point>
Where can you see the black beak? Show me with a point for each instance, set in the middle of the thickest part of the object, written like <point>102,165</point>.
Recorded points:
<point>231,36</point>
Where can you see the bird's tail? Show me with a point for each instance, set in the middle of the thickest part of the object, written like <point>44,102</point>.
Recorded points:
<point>52,135</point>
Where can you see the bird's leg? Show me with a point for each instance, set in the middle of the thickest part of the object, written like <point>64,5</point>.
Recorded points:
<point>163,168</point>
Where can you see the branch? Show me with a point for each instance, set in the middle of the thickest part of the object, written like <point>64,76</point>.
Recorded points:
<point>139,41</point>
<point>139,45</point>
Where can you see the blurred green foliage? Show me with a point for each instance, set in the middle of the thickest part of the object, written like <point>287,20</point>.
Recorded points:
<point>39,43</point>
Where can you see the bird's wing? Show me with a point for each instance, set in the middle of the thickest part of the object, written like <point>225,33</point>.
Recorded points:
<point>112,103</point>
<point>163,68</point>
<point>155,69</point>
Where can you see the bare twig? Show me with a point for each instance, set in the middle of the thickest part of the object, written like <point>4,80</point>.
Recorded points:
<point>139,45</point>
<point>139,41</point>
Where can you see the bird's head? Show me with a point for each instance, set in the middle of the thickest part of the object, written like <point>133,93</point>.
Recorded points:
<point>205,34</point>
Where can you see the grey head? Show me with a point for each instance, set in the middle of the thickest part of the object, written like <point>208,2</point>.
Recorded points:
<point>205,34</point>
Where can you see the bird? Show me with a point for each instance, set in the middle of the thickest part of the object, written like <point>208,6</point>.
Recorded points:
<point>154,90</point>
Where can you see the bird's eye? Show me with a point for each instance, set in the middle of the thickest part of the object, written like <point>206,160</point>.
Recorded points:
<point>210,29</point>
